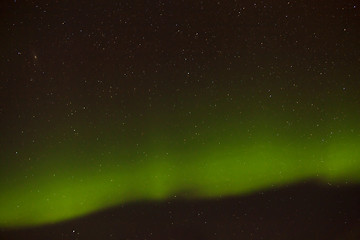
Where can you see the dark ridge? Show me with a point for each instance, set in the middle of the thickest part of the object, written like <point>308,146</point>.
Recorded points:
<point>303,211</point>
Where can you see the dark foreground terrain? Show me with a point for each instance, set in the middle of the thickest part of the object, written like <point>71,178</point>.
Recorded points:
<point>305,211</point>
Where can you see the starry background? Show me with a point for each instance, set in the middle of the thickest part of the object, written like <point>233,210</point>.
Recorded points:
<point>221,119</point>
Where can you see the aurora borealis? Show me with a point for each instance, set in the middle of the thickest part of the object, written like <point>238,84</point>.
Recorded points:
<point>222,159</point>
<point>109,103</point>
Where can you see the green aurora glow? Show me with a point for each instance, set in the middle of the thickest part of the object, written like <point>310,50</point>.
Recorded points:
<point>219,157</point>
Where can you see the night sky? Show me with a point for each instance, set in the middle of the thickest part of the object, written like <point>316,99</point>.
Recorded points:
<point>180,119</point>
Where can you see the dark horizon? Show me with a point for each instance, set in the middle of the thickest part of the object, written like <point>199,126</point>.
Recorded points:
<point>308,210</point>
